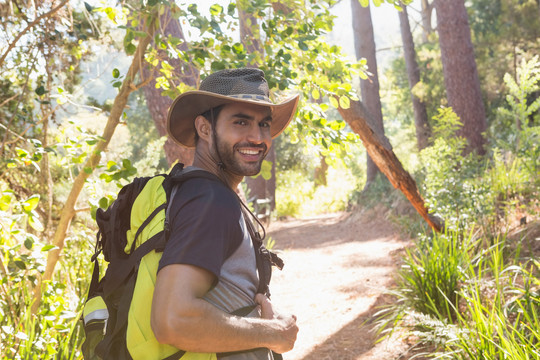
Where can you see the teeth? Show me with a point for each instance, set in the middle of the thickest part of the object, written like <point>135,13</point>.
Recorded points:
<point>249,152</point>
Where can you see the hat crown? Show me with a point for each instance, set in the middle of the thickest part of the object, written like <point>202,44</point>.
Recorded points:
<point>236,82</point>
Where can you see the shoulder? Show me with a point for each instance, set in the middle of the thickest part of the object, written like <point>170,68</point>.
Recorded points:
<point>202,192</point>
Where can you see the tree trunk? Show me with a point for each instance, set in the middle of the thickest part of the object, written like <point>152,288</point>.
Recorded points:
<point>158,105</point>
<point>364,44</point>
<point>460,73</point>
<point>413,71</point>
<point>382,154</point>
<point>427,11</point>
<point>321,171</point>
<point>68,211</point>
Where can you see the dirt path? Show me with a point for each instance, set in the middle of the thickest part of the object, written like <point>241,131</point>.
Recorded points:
<point>336,268</point>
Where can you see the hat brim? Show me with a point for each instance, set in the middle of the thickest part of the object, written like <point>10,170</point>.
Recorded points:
<point>187,106</point>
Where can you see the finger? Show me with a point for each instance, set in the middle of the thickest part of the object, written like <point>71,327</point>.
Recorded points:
<point>261,299</point>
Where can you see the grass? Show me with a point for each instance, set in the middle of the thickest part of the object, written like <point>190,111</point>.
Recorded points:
<point>468,304</point>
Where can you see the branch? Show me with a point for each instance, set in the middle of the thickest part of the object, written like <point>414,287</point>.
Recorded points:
<point>8,100</point>
<point>384,157</point>
<point>31,25</point>
<point>68,211</point>
<point>8,296</point>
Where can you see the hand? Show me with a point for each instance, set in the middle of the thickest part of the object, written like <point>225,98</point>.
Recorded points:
<point>265,306</point>
<point>286,335</point>
<point>286,329</point>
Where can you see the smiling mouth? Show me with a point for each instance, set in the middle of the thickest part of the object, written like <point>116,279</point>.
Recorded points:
<point>249,152</point>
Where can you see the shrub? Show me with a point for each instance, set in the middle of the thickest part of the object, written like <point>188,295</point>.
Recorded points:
<point>432,272</point>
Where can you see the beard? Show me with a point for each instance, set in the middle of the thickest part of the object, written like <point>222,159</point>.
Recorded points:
<point>231,158</point>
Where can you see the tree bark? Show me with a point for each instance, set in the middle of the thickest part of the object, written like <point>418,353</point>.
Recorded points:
<point>382,154</point>
<point>321,171</point>
<point>460,73</point>
<point>158,105</point>
<point>413,72</point>
<point>259,188</point>
<point>68,211</point>
<point>364,44</point>
<point>427,11</point>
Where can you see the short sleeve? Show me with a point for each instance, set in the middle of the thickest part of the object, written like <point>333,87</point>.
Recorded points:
<point>205,226</point>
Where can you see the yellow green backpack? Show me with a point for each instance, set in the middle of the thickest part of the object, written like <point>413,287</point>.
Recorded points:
<point>132,235</point>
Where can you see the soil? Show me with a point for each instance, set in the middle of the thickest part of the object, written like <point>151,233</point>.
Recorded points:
<point>337,269</point>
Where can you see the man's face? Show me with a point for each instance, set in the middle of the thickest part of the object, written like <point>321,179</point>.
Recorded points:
<point>243,137</point>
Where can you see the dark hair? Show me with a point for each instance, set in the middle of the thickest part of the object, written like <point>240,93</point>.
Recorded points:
<point>210,115</point>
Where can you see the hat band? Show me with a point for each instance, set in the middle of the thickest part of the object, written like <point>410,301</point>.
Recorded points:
<point>251,97</point>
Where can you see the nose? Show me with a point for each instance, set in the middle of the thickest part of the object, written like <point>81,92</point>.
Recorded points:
<point>256,134</point>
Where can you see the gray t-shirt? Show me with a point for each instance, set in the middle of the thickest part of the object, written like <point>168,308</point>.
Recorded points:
<point>209,231</point>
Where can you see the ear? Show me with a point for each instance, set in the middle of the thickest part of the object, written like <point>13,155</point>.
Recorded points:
<point>203,128</point>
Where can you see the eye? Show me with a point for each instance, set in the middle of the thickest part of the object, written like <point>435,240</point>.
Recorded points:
<point>241,122</point>
<point>264,124</point>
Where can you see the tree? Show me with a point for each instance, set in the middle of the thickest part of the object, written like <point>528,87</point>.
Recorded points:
<point>364,43</point>
<point>180,72</point>
<point>68,210</point>
<point>413,71</point>
<point>460,73</point>
<point>260,187</point>
<point>427,11</point>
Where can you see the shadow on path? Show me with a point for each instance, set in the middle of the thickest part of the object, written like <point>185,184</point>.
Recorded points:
<point>352,340</point>
<point>328,230</point>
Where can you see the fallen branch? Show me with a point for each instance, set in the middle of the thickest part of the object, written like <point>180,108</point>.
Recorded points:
<point>383,156</point>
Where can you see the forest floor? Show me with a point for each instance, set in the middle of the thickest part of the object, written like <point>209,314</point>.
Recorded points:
<point>337,268</point>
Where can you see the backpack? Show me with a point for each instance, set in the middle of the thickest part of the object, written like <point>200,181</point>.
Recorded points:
<point>132,235</point>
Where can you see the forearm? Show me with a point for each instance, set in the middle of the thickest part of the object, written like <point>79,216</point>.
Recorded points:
<point>204,328</point>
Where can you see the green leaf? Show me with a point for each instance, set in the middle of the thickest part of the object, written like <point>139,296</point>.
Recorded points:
<point>216,9</point>
<point>130,49</point>
<point>31,203</point>
<point>315,94</point>
<point>88,7</point>
<point>103,203</point>
<point>377,2</point>
<point>20,264</point>
<point>238,48</point>
<point>40,90</point>
<point>5,201</point>
<point>29,243</point>
<point>117,84</point>
<point>217,65</point>
<point>364,3</point>
<point>88,170</point>
<point>140,34</point>
<point>49,247</point>
<point>126,163</point>
<point>35,223</point>
<point>344,102</point>
<point>334,102</point>
<point>116,73</point>
<point>303,46</point>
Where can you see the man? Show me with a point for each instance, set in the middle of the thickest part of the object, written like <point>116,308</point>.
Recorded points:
<point>208,269</point>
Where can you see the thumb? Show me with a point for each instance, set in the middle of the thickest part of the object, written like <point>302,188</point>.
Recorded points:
<point>266,306</point>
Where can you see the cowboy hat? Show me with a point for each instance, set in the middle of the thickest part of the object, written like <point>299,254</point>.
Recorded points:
<point>244,85</point>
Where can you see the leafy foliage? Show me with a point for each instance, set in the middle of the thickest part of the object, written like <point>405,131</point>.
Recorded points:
<point>452,182</point>
<point>462,292</point>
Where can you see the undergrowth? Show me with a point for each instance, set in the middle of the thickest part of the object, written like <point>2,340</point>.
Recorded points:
<point>473,292</point>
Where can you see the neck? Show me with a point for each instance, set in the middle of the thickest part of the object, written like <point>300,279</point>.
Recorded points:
<point>206,162</point>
